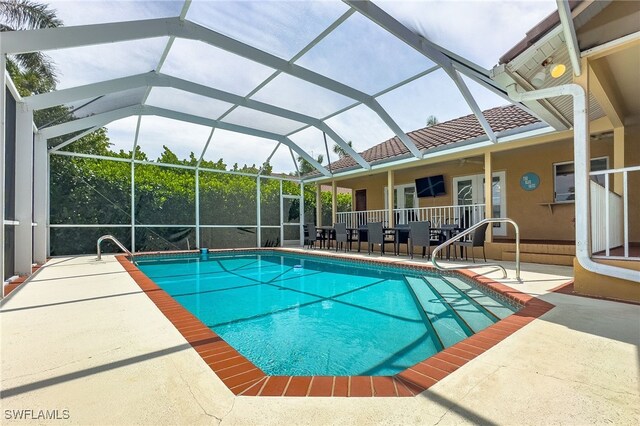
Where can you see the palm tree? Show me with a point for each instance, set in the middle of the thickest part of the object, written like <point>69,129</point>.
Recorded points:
<point>432,120</point>
<point>306,167</point>
<point>32,72</point>
<point>340,150</point>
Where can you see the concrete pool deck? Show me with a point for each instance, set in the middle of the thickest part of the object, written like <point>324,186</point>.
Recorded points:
<point>81,336</point>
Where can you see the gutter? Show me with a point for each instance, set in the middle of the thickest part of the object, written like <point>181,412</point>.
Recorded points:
<point>581,154</point>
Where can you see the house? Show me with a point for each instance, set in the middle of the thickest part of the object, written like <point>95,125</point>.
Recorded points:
<point>530,161</point>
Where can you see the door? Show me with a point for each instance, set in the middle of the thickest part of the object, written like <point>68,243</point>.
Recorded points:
<point>405,200</point>
<point>290,230</point>
<point>361,200</point>
<point>469,190</point>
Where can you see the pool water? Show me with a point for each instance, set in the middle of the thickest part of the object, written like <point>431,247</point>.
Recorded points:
<point>304,315</point>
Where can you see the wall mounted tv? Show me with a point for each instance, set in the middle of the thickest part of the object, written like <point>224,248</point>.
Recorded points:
<point>431,186</point>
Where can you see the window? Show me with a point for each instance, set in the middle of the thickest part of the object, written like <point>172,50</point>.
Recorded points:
<point>564,178</point>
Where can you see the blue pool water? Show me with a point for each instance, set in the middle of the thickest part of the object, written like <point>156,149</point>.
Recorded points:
<point>304,315</point>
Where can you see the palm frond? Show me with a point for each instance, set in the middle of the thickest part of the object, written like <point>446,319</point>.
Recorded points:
<point>38,63</point>
<point>27,14</point>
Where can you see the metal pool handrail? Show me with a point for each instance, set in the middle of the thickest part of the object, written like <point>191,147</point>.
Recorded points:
<point>469,231</point>
<point>115,241</point>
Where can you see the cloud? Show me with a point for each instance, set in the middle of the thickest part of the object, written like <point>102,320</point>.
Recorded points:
<point>182,138</point>
<point>208,65</point>
<point>358,53</point>
<point>361,54</point>
<point>238,148</point>
<point>99,11</point>
<point>279,27</point>
<point>480,30</point>
<point>90,64</point>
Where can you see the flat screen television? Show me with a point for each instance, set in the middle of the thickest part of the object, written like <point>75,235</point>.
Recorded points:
<point>431,186</point>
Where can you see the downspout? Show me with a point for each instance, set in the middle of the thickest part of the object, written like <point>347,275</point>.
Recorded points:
<point>581,155</point>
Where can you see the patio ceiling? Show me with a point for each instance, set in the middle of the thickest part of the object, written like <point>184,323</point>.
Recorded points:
<point>282,72</point>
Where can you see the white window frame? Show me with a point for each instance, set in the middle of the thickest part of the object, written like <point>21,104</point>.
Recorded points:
<point>563,163</point>
<point>397,187</point>
<point>478,192</point>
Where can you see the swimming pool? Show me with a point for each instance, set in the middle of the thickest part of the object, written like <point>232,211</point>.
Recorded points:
<point>302,315</point>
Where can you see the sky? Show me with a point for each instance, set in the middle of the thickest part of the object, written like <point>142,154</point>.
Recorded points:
<point>357,53</point>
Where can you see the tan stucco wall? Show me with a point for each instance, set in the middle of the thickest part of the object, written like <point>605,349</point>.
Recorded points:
<point>591,284</point>
<point>632,158</point>
<point>535,220</point>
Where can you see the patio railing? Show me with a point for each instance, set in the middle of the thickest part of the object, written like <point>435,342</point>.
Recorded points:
<point>610,215</point>
<point>465,216</point>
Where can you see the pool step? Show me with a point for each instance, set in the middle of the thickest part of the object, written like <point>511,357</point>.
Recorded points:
<point>447,323</point>
<point>488,302</point>
<point>474,314</point>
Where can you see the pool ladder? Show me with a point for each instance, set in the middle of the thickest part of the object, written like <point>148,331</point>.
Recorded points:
<point>115,241</point>
<point>483,265</point>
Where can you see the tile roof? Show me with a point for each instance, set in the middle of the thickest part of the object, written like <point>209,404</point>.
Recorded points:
<point>457,130</point>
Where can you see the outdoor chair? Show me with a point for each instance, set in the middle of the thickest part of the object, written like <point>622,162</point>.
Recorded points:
<point>420,235</point>
<point>342,236</point>
<point>403,236</point>
<point>477,240</point>
<point>375,235</point>
<point>312,235</point>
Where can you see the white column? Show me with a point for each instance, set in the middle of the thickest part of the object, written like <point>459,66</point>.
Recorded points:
<point>618,158</point>
<point>133,203</point>
<point>390,197</point>
<point>197,208</point>
<point>258,221</point>
<point>3,104</point>
<point>488,193</point>
<point>24,189</point>
<point>302,222</point>
<point>40,199</point>
<point>334,202</point>
<point>318,205</point>
<point>281,217</point>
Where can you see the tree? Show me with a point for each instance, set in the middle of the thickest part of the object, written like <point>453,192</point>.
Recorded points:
<point>32,72</point>
<point>306,167</point>
<point>432,120</point>
<point>340,150</point>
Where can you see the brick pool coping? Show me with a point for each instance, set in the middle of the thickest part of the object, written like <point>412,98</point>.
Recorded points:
<point>242,377</point>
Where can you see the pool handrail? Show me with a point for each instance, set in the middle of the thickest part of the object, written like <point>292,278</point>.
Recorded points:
<point>484,265</point>
<point>115,241</point>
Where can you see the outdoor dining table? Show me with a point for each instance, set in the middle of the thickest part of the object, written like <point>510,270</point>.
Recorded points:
<point>362,233</point>
<point>327,233</point>
<point>446,232</point>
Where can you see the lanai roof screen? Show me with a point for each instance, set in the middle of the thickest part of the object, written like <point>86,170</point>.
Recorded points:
<point>274,78</point>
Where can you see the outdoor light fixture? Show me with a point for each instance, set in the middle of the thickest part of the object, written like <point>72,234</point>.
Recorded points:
<point>556,71</point>
<point>538,80</point>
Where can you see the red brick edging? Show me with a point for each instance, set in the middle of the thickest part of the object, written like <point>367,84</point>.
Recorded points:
<point>242,377</point>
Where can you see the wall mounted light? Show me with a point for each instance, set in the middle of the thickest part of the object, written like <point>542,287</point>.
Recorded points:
<point>538,80</point>
<point>556,71</point>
